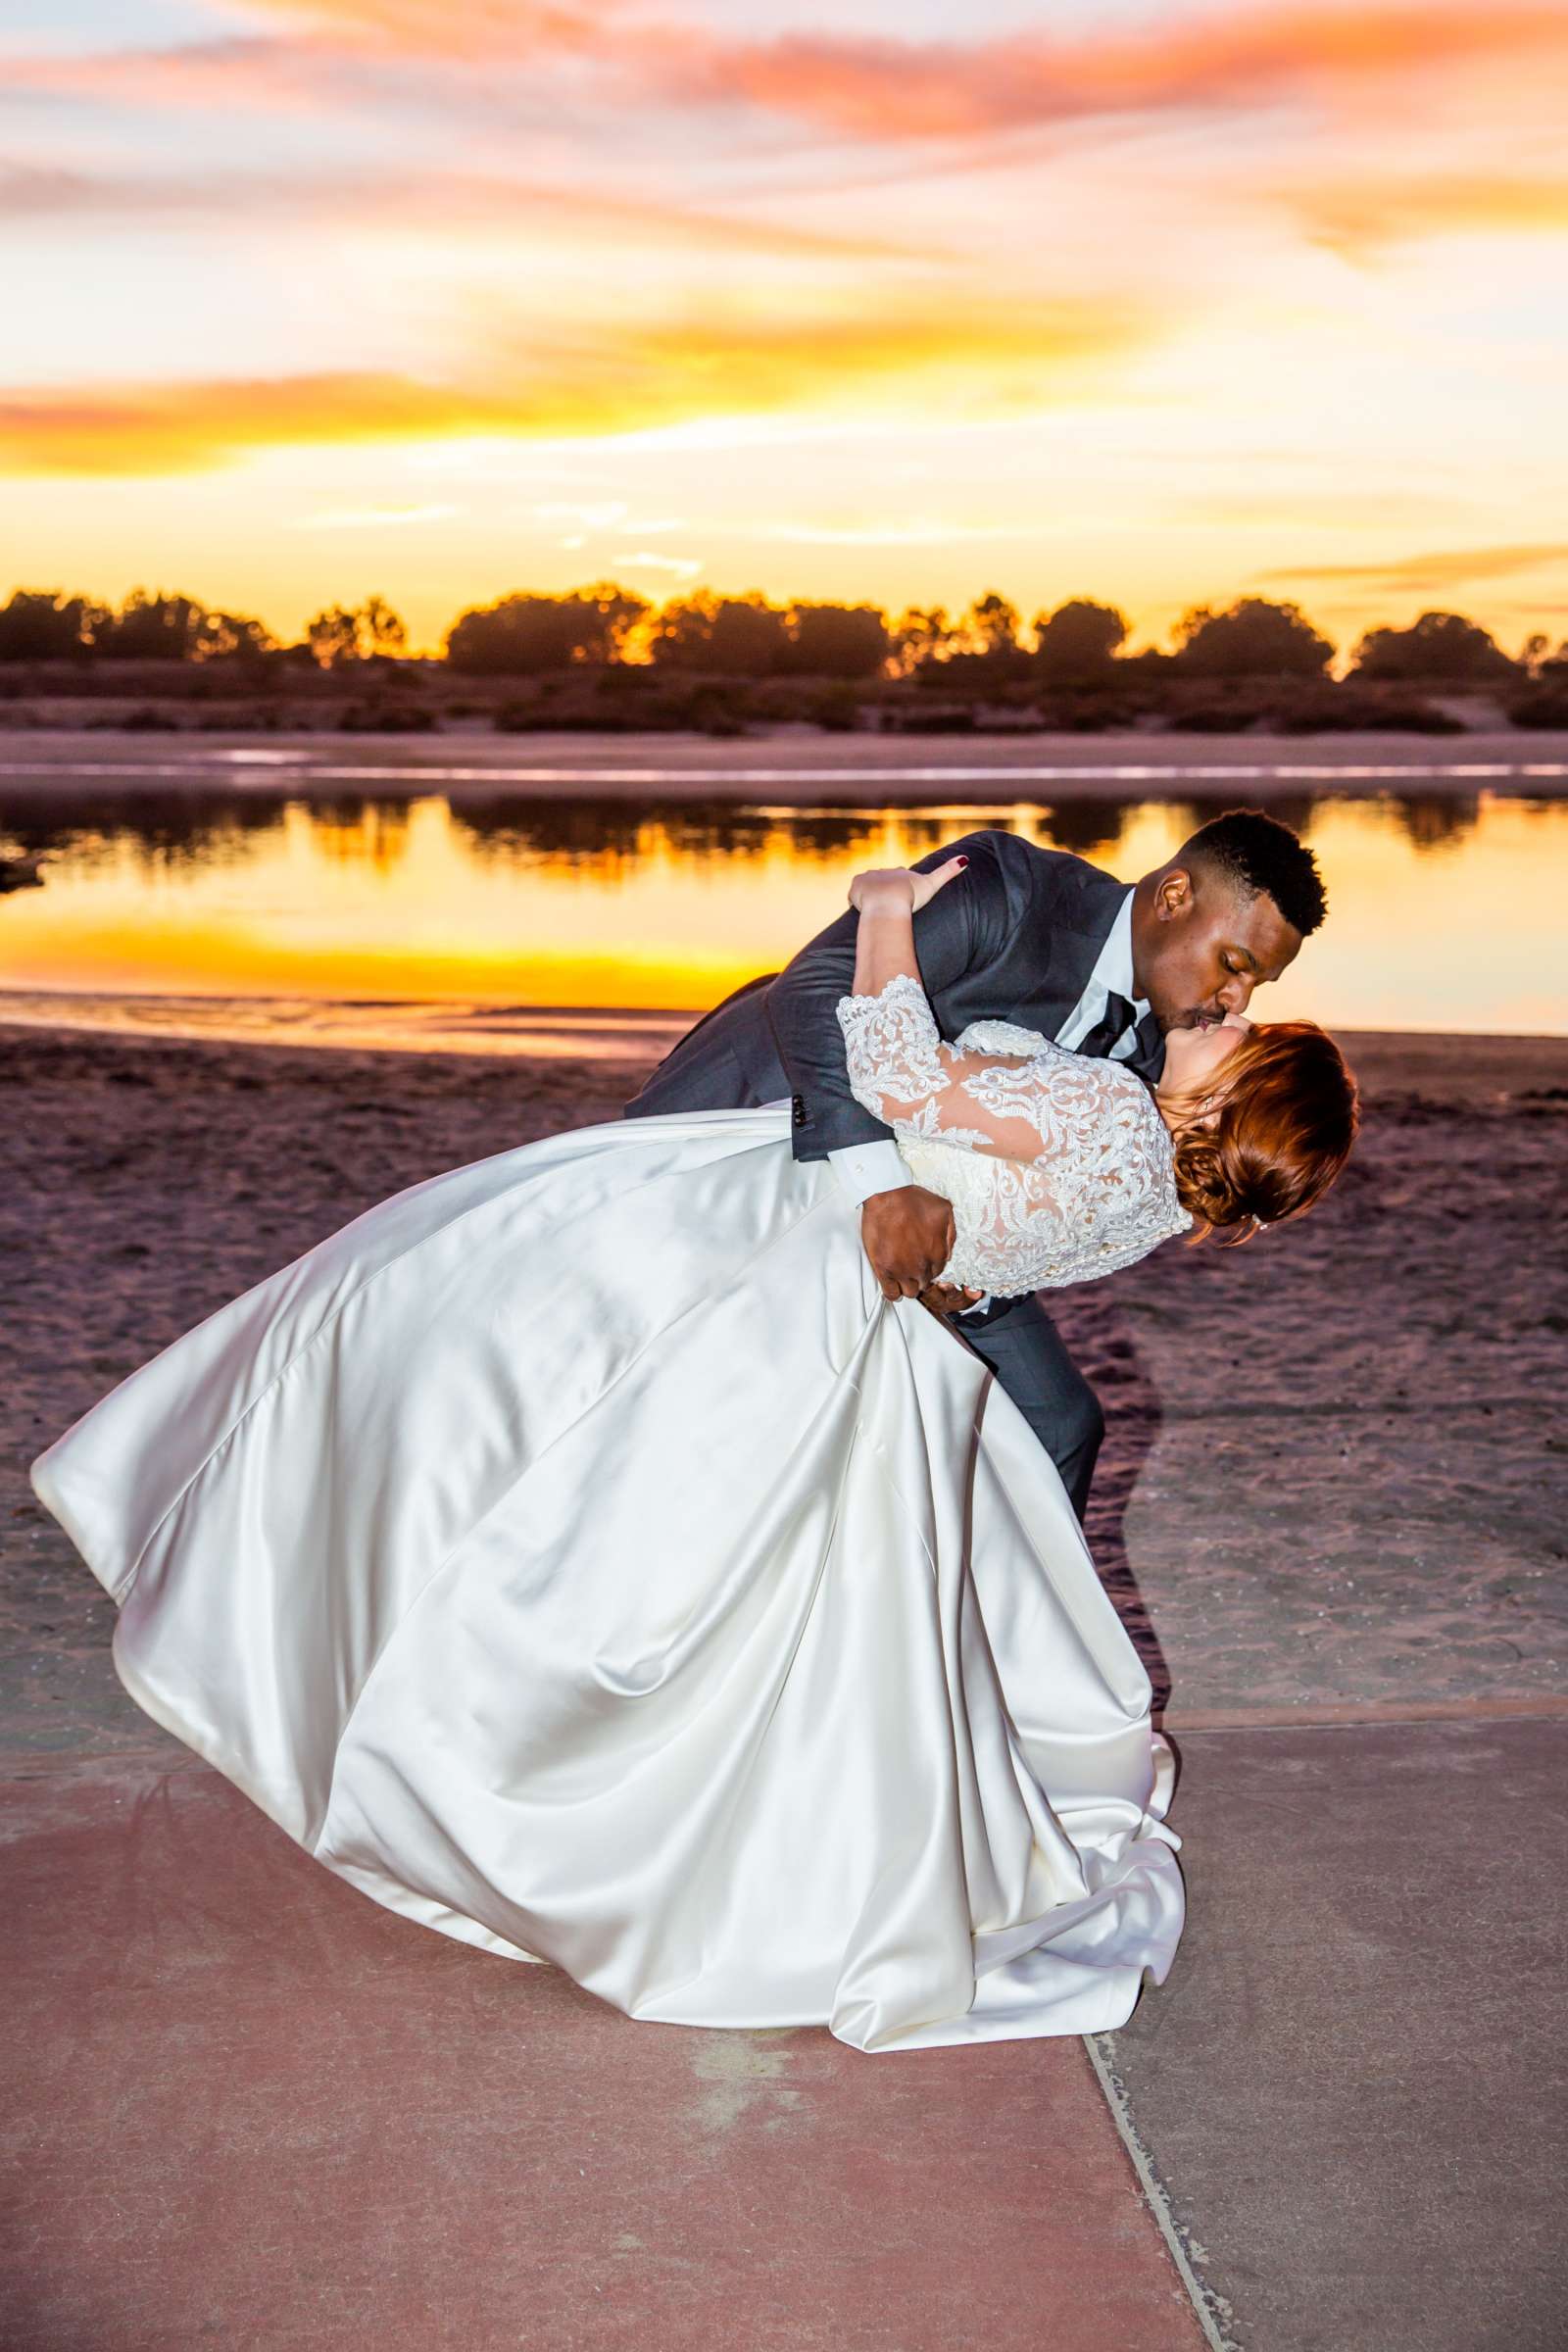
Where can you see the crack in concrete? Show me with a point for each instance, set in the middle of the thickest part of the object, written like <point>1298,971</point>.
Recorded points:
<point>1212,2311</point>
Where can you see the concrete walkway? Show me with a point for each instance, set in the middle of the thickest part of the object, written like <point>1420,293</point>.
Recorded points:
<point>254,2108</point>
<point>247,2105</point>
<point>1354,2091</point>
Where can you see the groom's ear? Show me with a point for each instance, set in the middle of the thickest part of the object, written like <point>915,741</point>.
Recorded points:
<point>1174,893</point>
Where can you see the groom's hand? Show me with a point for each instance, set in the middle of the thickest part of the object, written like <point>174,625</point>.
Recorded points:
<point>945,1298</point>
<point>909,1239</point>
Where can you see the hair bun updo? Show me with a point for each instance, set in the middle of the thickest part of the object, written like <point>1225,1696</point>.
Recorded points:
<point>1268,1135</point>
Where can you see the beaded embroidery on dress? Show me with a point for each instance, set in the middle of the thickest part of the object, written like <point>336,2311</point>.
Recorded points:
<point>1059,1165</point>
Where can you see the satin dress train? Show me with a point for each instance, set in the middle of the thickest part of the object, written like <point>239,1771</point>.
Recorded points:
<point>578,1556</point>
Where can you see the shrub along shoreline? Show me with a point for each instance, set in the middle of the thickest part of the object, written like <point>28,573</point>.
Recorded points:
<point>603,660</point>
<point>416,698</point>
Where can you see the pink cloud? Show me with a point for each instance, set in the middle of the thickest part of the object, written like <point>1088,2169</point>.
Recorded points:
<point>882,91</point>
<point>250,75</point>
<point>887,90</point>
<point>435,198</point>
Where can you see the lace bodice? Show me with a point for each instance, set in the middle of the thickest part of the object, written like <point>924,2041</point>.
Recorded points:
<point>1057,1165</point>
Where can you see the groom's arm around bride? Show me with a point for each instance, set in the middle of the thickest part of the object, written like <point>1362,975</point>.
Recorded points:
<point>779,1035</point>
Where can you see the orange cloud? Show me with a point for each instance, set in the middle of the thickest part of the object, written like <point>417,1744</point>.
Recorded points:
<point>1357,217</point>
<point>490,31</point>
<point>324,52</point>
<point>1453,567</point>
<point>183,428</point>
<point>992,357</point>
<point>892,90</point>
<point>876,90</point>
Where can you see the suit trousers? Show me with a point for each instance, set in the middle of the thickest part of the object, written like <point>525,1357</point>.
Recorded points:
<point>1029,1357</point>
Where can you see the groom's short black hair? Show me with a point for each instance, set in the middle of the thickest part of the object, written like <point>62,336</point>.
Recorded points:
<point>1259,854</point>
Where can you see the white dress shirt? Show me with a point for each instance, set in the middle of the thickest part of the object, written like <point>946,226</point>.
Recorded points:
<point>1113,975</point>
<point>876,1167</point>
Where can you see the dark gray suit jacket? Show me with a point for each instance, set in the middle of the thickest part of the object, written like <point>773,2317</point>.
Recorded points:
<point>1014,939</point>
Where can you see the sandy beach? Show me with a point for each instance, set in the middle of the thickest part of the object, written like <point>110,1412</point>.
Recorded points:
<point>1334,1477</point>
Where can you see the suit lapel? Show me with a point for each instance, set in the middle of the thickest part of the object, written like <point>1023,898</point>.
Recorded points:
<point>1073,954</point>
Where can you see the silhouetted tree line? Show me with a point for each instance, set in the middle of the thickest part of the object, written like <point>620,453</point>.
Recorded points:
<point>1080,645</point>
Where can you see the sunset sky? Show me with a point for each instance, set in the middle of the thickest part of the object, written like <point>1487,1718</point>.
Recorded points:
<point>893,298</point>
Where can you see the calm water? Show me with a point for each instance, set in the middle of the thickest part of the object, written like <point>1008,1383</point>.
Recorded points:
<point>518,920</point>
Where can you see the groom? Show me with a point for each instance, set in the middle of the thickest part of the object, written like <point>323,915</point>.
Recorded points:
<point>1042,939</point>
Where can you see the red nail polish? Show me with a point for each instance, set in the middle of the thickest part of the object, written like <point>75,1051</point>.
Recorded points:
<point>963,861</point>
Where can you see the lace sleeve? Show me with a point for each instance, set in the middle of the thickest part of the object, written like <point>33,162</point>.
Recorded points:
<point>1090,1186</point>
<point>1015,1106</point>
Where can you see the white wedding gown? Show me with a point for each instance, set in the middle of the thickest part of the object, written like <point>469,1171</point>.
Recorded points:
<point>578,1555</point>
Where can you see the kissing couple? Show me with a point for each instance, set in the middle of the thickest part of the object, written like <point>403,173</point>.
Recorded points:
<point>656,1551</point>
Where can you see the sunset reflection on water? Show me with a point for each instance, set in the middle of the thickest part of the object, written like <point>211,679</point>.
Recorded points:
<point>1444,908</point>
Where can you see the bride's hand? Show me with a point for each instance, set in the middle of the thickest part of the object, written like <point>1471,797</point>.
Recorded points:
<point>900,886</point>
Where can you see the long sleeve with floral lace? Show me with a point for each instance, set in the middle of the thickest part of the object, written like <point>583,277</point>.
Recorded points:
<point>1085,1181</point>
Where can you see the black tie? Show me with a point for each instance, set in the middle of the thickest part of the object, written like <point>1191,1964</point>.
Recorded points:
<point>1113,1023</point>
<point>1147,1057</point>
<point>1147,1060</point>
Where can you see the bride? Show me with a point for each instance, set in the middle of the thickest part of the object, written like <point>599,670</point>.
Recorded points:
<point>578,1555</point>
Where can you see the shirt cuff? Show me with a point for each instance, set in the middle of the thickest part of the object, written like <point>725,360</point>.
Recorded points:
<point>866,1168</point>
<point>975,1304</point>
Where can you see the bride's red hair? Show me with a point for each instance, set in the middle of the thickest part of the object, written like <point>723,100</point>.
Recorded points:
<point>1267,1135</point>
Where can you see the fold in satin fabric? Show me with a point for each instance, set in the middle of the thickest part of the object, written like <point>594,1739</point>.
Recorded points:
<point>579,1555</point>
